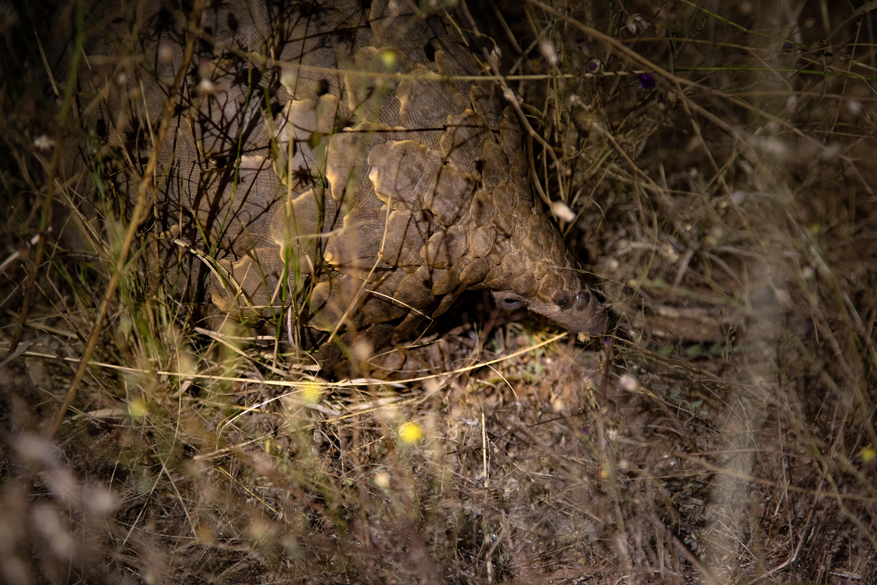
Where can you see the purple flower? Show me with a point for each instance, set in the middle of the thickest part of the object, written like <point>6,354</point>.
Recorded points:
<point>647,81</point>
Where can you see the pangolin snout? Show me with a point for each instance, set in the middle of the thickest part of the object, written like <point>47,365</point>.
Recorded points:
<point>579,312</point>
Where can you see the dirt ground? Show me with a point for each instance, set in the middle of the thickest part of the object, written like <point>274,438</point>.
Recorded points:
<point>719,160</point>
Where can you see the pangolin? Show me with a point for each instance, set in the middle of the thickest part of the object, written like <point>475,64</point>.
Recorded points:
<point>340,162</point>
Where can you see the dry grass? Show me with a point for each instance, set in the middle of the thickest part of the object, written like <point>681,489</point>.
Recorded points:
<point>720,160</point>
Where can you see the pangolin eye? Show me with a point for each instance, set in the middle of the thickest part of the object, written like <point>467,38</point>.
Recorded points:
<point>510,304</point>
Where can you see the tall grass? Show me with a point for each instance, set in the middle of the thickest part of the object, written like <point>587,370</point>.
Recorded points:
<point>718,160</point>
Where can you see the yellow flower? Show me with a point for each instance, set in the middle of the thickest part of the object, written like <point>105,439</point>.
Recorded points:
<point>389,59</point>
<point>311,392</point>
<point>137,408</point>
<point>411,432</point>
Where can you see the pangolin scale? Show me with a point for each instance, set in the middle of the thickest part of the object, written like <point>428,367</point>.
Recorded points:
<point>336,160</point>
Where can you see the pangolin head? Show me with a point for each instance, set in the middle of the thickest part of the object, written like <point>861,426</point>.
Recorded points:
<point>540,274</point>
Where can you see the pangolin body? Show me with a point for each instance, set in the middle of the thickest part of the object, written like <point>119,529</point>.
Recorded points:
<point>332,159</point>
